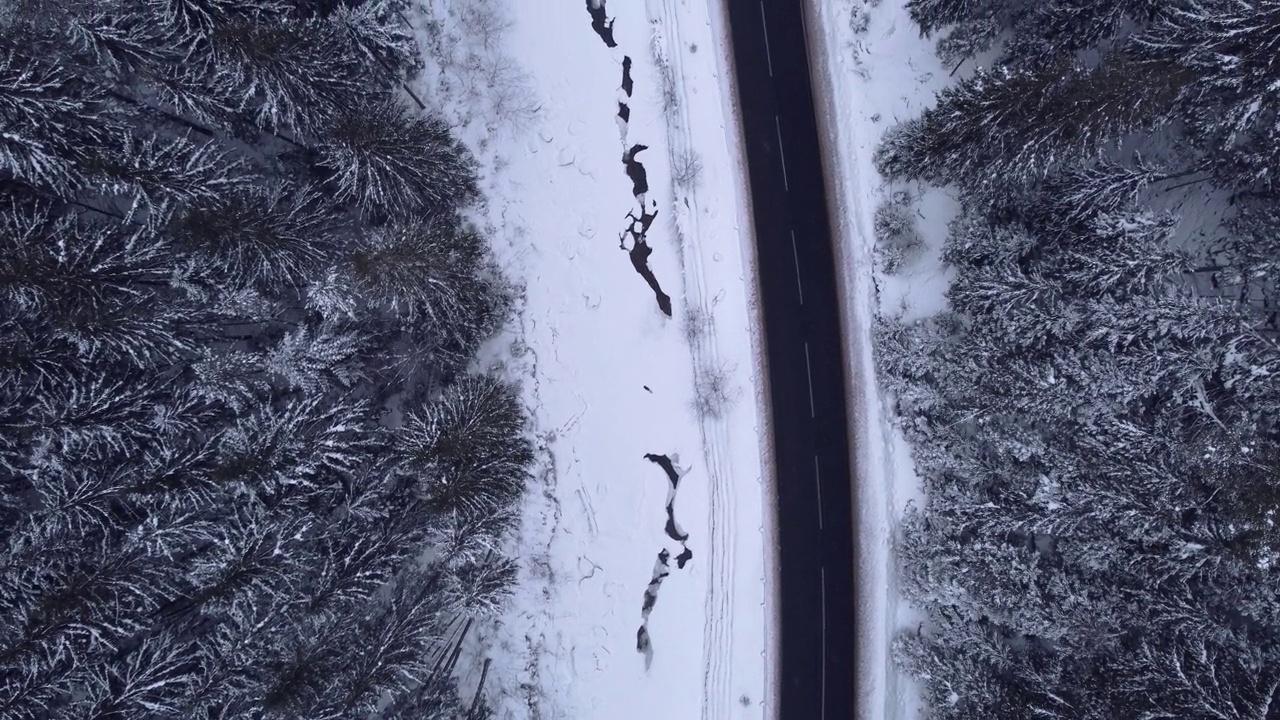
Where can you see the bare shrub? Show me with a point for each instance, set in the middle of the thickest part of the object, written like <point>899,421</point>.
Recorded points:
<point>485,21</point>
<point>696,322</point>
<point>713,392</point>
<point>893,219</point>
<point>510,90</point>
<point>893,258</point>
<point>670,95</point>
<point>686,169</point>
<point>860,21</point>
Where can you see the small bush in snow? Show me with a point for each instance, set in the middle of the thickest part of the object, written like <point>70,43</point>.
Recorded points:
<point>686,169</point>
<point>713,393</point>
<point>670,95</point>
<point>859,21</point>
<point>696,323</point>
<point>897,241</point>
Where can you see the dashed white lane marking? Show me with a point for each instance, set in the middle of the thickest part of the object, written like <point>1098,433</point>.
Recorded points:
<point>795,255</point>
<point>765,24</point>
<point>817,479</point>
<point>782,156</point>
<point>809,371</point>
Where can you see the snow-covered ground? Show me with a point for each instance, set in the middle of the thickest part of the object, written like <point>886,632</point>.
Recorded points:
<point>639,597</point>
<point>872,69</point>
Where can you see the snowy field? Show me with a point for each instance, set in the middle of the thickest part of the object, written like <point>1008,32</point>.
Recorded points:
<point>618,208</point>
<point>872,69</point>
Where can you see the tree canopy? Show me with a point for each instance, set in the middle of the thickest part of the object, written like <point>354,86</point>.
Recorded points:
<point>244,471</point>
<point>1095,415</point>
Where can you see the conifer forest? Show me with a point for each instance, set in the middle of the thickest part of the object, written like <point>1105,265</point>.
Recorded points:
<point>247,469</point>
<point>1096,416</point>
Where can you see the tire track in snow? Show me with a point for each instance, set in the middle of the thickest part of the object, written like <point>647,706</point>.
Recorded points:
<point>717,690</point>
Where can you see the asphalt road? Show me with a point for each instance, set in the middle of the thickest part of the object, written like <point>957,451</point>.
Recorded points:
<point>806,367</point>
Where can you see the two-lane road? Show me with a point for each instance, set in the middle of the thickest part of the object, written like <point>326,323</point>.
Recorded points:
<point>803,342</point>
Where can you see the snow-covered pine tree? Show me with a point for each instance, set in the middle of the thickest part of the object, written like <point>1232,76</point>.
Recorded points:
<point>466,451</point>
<point>287,74</point>
<point>394,164</point>
<point>55,121</point>
<point>272,237</point>
<point>433,271</point>
<point>379,34</point>
<point>1055,28</point>
<point>975,674</point>
<point>966,40</point>
<point>204,510</point>
<point>1031,32</point>
<point>1015,124</point>
<point>196,18</point>
<point>933,15</point>
<point>1104,186</point>
<point>1230,53</point>
<point>1201,674</point>
<point>383,653</point>
<point>361,553</point>
<point>157,173</point>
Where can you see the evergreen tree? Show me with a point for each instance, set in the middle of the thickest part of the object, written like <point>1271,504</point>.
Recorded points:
<point>268,237</point>
<point>933,15</point>
<point>465,449</point>
<point>432,271</point>
<point>55,122</point>
<point>967,40</point>
<point>1230,52</point>
<point>392,164</point>
<point>287,73</point>
<point>1016,124</point>
<point>210,505</point>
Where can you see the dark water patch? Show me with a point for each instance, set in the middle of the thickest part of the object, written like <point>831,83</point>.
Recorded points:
<point>639,227</point>
<point>627,83</point>
<point>602,24</point>
<point>640,251</point>
<point>636,171</point>
<point>667,466</point>
<point>661,569</point>
<point>684,557</point>
<point>672,528</point>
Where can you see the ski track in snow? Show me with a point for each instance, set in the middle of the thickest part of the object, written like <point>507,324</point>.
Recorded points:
<point>668,47</point>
